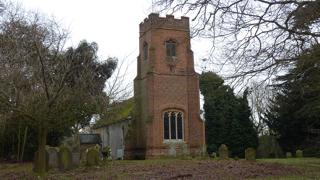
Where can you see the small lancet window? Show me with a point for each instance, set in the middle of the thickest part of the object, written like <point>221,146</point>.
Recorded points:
<point>145,51</point>
<point>171,48</point>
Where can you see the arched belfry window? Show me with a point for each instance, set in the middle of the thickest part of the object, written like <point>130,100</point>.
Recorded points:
<point>171,48</point>
<point>173,125</point>
<point>145,51</point>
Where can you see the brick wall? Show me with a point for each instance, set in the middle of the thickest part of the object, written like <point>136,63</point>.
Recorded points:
<point>162,84</point>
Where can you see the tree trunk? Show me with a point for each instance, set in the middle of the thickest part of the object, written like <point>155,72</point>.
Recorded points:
<point>19,142</point>
<point>40,156</point>
<point>24,143</point>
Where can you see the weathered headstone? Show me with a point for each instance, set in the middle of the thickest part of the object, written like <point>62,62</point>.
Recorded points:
<point>299,153</point>
<point>223,152</point>
<point>172,149</point>
<point>65,158</point>
<point>52,157</point>
<point>93,157</point>
<point>250,154</point>
<point>288,154</point>
<point>184,149</point>
<point>75,157</point>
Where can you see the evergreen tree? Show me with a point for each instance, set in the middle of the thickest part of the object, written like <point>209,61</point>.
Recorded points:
<point>227,116</point>
<point>296,107</point>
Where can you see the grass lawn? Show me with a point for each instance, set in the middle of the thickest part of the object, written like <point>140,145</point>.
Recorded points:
<point>293,168</point>
<point>309,167</point>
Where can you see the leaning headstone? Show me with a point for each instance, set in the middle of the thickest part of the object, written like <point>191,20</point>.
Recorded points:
<point>93,157</point>
<point>250,154</point>
<point>65,158</point>
<point>223,152</point>
<point>52,157</point>
<point>288,154</point>
<point>172,150</point>
<point>299,153</point>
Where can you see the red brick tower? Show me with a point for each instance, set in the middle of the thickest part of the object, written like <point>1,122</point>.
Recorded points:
<point>166,90</point>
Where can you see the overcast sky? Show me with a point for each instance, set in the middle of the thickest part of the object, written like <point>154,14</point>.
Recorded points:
<point>113,25</point>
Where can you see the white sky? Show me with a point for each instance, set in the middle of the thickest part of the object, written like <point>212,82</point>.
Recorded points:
<point>114,25</point>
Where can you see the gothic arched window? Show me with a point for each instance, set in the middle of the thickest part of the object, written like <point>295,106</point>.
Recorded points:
<point>171,48</point>
<point>173,125</point>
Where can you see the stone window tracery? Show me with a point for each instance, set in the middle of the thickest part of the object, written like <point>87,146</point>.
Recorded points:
<point>173,125</point>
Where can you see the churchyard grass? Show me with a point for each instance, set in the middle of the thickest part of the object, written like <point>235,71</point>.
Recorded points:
<point>309,167</point>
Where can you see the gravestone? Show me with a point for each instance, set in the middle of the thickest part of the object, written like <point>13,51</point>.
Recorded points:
<point>75,158</point>
<point>223,152</point>
<point>250,154</point>
<point>93,156</point>
<point>185,149</point>
<point>299,153</point>
<point>52,157</point>
<point>288,154</point>
<point>65,158</point>
<point>172,149</point>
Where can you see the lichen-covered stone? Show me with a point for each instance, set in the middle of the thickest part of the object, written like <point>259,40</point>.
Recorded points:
<point>65,158</point>
<point>299,153</point>
<point>250,154</point>
<point>288,154</point>
<point>93,157</point>
<point>223,152</point>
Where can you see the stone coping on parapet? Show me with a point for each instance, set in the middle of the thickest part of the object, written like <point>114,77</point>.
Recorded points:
<point>168,22</point>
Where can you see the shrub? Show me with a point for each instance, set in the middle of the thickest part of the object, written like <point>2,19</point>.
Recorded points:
<point>106,152</point>
<point>250,154</point>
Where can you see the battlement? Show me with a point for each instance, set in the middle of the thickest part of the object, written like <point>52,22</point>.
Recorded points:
<point>168,22</point>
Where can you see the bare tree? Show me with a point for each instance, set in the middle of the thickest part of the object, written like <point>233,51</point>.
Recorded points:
<point>259,100</point>
<point>41,82</point>
<point>117,87</point>
<point>260,37</point>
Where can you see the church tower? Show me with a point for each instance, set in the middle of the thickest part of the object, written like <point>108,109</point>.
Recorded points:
<point>166,89</point>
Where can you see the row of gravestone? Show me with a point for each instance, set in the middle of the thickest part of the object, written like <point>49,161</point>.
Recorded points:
<point>250,153</point>
<point>299,154</point>
<point>64,159</point>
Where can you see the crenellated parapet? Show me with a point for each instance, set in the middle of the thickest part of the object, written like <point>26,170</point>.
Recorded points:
<point>168,22</point>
